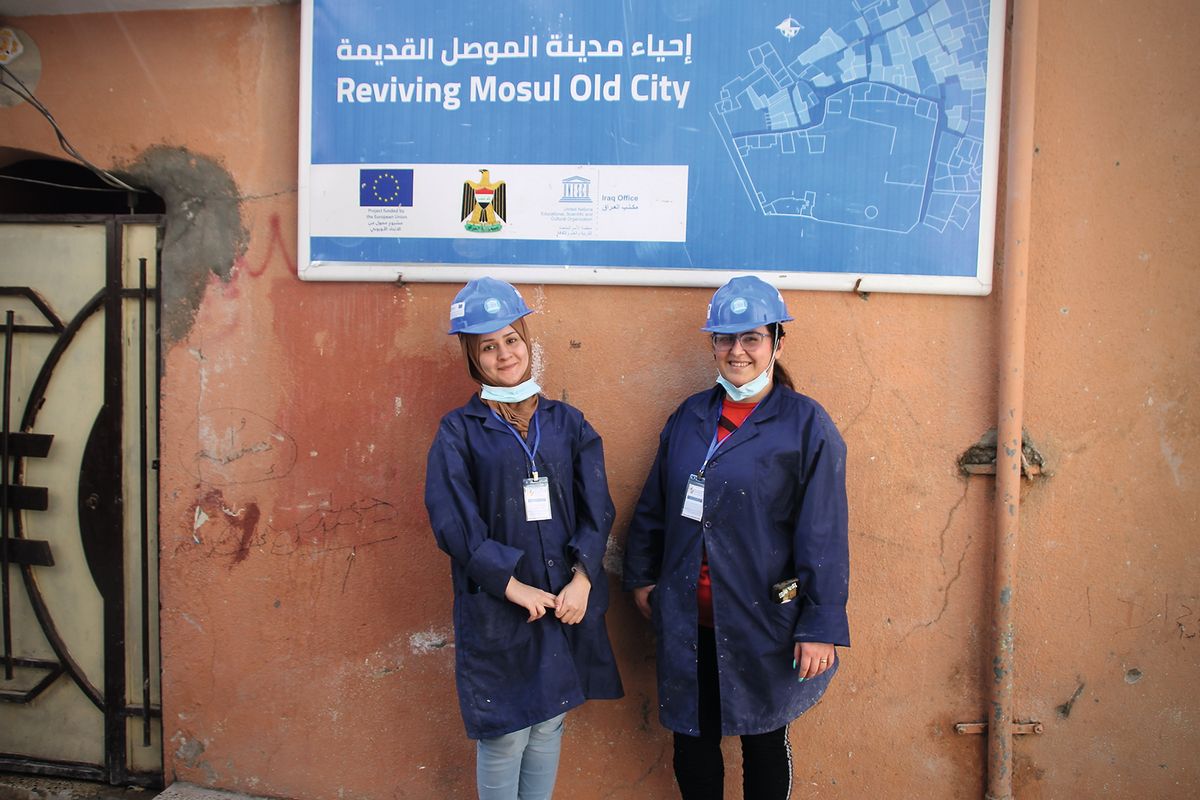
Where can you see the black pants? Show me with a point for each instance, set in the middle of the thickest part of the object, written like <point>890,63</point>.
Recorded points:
<point>699,768</point>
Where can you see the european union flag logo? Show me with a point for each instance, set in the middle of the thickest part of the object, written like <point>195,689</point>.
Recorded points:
<point>385,187</point>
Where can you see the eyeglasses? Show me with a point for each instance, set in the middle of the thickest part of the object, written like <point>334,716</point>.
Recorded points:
<point>749,340</point>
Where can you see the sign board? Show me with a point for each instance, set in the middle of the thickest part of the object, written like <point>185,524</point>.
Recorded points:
<point>827,144</point>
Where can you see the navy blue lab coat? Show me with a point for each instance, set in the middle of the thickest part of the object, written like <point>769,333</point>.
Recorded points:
<point>774,509</point>
<point>511,673</point>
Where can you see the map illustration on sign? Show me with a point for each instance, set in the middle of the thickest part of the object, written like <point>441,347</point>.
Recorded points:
<point>827,143</point>
<point>873,131</point>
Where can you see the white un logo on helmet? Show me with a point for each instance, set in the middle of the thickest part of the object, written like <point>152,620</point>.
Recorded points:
<point>491,305</point>
<point>738,306</point>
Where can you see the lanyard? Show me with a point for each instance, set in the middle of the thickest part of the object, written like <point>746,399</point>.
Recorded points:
<point>712,448</point>
<point>537,439</point>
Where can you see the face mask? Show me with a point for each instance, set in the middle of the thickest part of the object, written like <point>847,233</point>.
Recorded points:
<point>739,394</point>
<point>510,394</point>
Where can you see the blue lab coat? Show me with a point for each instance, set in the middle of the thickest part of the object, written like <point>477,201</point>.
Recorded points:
<point>512,673</point>
<point>774,509</point>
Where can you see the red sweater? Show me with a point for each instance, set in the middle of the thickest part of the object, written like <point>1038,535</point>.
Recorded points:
<point>735,413</point>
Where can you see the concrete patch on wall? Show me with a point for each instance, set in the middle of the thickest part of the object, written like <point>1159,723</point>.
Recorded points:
<point>423,643</point>
<point>385,662</point>
<point>980,458</point>
<point>205,233</point>
<point>190,752</point>
<point>614,557</point>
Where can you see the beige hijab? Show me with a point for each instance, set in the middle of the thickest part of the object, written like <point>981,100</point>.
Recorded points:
<point>519,414</point>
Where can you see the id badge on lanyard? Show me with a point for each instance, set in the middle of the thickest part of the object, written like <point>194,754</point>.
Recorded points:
<point>537,499</point>
<point>693,497</point>
<point>535,489</point>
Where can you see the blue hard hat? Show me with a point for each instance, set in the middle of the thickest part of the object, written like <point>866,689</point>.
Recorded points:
<point>485,305</point>
<point>743,304</point>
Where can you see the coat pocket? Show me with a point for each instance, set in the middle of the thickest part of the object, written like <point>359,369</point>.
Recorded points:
<point>490,623</point>
<point>782,619</point>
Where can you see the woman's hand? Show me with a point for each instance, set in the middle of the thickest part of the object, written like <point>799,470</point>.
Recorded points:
<point>530,598</point>
<point>813,658</point>
<point>571,603</point>
<point>641,598</point>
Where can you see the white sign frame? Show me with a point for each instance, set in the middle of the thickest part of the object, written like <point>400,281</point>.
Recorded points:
<point>398,271</point>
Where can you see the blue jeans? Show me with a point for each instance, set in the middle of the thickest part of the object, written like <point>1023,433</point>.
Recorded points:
<point>520,765</point>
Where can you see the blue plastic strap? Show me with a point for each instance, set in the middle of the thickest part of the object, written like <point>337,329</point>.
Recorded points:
<point>537,439</point>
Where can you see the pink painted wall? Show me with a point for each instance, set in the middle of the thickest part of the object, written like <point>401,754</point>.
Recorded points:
<point>306,624</point>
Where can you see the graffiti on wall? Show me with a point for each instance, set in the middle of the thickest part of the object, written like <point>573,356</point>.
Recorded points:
<point>233,448</point>
<point>221,529</point>
<point>276,246</point>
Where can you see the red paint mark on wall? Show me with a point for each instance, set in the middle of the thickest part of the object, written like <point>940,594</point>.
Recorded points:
<point>247,522</point>
<point>220,531</point>
<point>242,522</point>
<point>275,243</point>
<point>223,320</point>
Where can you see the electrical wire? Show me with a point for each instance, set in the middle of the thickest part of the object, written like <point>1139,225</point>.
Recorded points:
<point>60,185</point>
<point>23,91</point>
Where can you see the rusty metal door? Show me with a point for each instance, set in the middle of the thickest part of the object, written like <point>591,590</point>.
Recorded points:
<point>79,678</point>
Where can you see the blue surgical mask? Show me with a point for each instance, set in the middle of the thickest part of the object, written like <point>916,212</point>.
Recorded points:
<point>510,394</point>
<point>740,394</point>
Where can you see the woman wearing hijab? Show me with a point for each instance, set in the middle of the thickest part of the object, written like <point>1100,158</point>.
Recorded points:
<point>737,551</point>
<point>517,497</point>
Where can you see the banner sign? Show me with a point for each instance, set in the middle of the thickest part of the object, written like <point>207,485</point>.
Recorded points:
<point>829,144</point>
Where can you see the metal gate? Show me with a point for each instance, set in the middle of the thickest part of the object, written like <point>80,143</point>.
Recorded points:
<point>79,682</point>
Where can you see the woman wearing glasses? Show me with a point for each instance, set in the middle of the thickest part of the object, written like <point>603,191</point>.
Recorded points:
<point>737,551</point>
<point>517,496</point>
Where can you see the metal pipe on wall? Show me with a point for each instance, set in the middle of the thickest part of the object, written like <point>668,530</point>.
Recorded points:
<point>1014,287</point>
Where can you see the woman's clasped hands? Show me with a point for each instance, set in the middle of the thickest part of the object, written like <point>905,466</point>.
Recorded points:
<point>570,605</point>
